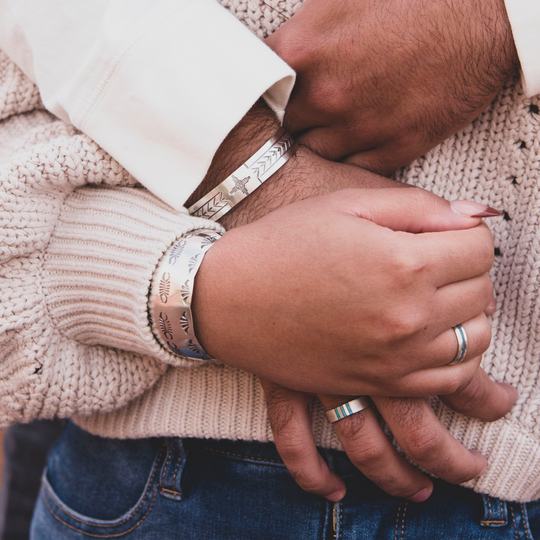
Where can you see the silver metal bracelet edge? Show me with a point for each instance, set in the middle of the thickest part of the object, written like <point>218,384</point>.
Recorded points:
<point>171,294</point>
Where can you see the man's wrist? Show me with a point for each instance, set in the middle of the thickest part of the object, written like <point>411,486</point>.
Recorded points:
<point>256,128</point>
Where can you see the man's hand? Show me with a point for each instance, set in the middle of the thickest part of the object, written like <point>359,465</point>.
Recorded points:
<point>380,83</point>
<point>412,422</point>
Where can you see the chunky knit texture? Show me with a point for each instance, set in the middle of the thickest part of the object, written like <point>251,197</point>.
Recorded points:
<point>80,240</point>
<point>74,271</point>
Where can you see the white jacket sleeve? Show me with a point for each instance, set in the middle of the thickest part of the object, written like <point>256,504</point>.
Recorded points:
<point>524,18</point>
<point>157,83</point>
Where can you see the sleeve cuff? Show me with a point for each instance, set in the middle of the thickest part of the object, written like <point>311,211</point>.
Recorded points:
<point>100,262</point>
<point>524,16</point>
<point>163,96</point>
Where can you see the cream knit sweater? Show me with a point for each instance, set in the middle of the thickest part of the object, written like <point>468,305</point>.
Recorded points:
<point>80,240</point>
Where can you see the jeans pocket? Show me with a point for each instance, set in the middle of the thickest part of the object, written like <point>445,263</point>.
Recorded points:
<point>101,487</point>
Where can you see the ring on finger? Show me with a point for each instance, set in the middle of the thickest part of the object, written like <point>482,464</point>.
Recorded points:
<point>347,409</point>
<point>462,345</point>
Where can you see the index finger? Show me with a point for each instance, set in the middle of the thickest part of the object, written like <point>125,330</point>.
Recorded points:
<point>452,256</point>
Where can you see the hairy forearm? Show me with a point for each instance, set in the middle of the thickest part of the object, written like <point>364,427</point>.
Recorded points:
<point>305,175</point>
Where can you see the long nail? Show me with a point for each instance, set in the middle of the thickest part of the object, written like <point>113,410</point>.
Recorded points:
<point>473,210</point>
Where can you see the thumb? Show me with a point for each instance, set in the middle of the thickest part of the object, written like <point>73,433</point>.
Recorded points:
<point>416,210</point>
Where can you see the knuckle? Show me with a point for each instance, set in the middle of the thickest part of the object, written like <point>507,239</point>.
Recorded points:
<point>327,97</point>
<point>350,427</point>
<point>292,448</point>
<point>370,451</point>
<point>280,409</point>
<point>407,413</point>
<point>452,383</point>
<point>468,397</point>
<point>394,486</point>
<point>399,325</point>
<point>406,266</point>
<point>422,444</point>
<point>308,481</point>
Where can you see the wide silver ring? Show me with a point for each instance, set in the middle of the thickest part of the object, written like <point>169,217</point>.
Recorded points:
<point>462,344</point>
<point>347,409</point>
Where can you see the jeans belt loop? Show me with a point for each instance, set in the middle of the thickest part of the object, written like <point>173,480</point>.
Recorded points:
<point>495,512</point>
<point>172,470</point>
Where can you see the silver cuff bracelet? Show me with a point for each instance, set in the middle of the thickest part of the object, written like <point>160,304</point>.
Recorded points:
<point>171,294</point>
<point>247,178</point>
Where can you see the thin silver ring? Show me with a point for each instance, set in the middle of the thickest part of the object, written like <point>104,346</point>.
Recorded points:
<point>347,409</point>
<point>462,344</point>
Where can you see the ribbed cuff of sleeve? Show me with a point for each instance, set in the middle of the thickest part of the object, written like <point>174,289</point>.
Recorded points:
<point>524,18</point>
<point>99,265</point>
<point>160,94</point>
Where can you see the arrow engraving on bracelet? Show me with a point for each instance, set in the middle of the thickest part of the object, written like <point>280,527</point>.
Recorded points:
<point>184,323</point>
<point>185,292</point>
<point>240,185</point>
<point>275,153</point>
<point>213,206</point>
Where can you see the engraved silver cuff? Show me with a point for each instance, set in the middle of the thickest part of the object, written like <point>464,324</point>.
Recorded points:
<point>171,294</point>
<point>247,178</point>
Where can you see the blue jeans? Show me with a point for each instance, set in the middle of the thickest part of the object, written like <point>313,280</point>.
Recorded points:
<point>204,489</point>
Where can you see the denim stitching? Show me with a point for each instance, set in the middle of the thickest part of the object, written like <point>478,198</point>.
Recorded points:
<point>397,521</point>
<point>165,490</point>
<point>514,522</point>
<point>135,510</point>
<point>525,523</point>
<point>175,473</point>
<point>166,465</point>
<point>402,521</point>
<point>94,525</point>
<point>242,455</point>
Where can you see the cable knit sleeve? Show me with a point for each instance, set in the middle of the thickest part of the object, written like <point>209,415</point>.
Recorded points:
<point>80,240</point>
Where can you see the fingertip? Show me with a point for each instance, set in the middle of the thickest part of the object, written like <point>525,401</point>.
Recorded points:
<point>490,309</point>
<point>336,496</point>
<point>512,394</point>
<point>481,462</point>
<point>510,390</point>
<point>422,495</point>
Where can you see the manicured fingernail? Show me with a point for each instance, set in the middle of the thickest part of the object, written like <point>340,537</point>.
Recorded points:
<point>422,495</point>
<point>336,496</point>
<point>473,210</point>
